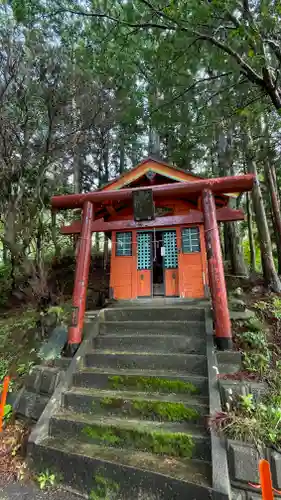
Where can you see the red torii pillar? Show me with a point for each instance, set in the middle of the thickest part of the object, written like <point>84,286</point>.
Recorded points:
<point>216,272</point>
<point>81,280</point>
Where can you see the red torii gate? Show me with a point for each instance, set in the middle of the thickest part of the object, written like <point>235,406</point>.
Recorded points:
<point>206,188</point>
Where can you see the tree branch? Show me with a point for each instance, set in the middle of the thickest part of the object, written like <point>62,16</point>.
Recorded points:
<point>110,18</point>
<point>192,86</point>
<point>275,47</point>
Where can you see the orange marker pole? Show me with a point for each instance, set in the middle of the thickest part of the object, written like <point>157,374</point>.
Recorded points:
<point>3,400</point>
<point>266,481</point>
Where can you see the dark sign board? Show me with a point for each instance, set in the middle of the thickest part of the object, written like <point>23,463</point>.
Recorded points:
<point>143,205</point>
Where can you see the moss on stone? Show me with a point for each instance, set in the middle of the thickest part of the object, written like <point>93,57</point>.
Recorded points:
<point>154,410</point>
<point>163,443</point>
<point>153,384</point>
<point>101,434</point>
<point>104,488</point>
<point>173,412</point>
<point>112,402</point>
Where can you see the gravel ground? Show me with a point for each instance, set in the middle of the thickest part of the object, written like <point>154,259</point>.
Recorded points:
<point>19,491</point>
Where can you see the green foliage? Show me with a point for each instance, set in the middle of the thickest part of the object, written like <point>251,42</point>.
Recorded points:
<point>8,411</point>
<point>257,362</point>
<point>46,479</point>
<point>253,340</point>
<point>152,384</point>
<point>4,366</point>
<point>5,283</point>
<point>254,325</point>
<point>17,344</point>
<point>245,243</point>
<point>270,308</point>
<point>59,311</point>
<point>105,488</point>
<point>24,368</point>
<point>247,403</point>
<point>252,421</point>
<point>174,444</point>
<point>152,409</point>
<point>276,307</point>
<point>261,305</point>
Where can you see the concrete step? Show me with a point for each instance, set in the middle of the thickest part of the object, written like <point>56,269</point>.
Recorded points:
<point>166,313</point>
<point>190,363</point>
<point>147,406</point>
<point>163,438</point>
<point>151,343</point>
<point>148,380</point>
<point>135,474</point>
<point>196,328</point>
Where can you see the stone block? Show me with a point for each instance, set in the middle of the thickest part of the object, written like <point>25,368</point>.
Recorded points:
<point>235,387</point>
<point>253,496</point>
<point>48,380</point>
<point>237,305</point>
<point>258,389</point>
<point>243,461</point>
<point>33,378</point>
<point>26,404</point>
<point>39,407</point>
<point>241,315</point>
<point>276,469</point>
<point>238,495</point>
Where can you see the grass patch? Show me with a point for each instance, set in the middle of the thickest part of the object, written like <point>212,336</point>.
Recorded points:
<point>153,384</point>
<point>162,443</point>
<point>252,421</point>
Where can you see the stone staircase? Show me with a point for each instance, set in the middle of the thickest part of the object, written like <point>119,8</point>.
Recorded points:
<point>133,422</point>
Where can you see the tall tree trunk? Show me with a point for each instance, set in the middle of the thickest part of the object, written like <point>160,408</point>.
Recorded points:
<point>232,239</point>
<point>154,143</point>
<point>105,252</point>
<point>276,214</point>
<point>251,234</point>
<point>121,153</point>
<point>226,246</point>
<point>5,253</point>
<point>54,234</point>
<point>76,172</point>
<point>270,275</point>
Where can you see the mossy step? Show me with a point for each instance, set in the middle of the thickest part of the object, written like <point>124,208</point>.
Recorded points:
<point>176,439</point>
<point>151,343</point>
<point>196,328</point>
<point>192,363</point>
<point>151,406</point>
<point>138,474</point>
<point>148,380</point>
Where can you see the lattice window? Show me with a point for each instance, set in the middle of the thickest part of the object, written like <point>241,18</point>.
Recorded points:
<point>124,244</point>
<point>190,240</point>
<point>171,252</point>
<point>144,250</point>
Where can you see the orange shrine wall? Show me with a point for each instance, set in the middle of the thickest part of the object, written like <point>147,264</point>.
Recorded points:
<point>188,281</point>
